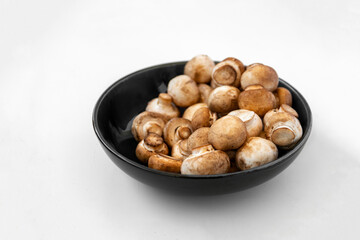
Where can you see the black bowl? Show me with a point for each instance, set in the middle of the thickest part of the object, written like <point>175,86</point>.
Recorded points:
<point>121,102</point>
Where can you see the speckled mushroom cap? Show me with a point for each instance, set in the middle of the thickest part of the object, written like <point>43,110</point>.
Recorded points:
<point>224,99</point>
<point>260,74</point>
<point>189,112</point>
<point>199,68</point>
<point>227,133</point>
<point>147,122</point>
<point>227,72</point>
<point>198,138</point>
<point>255,152</point>
<point>205,91</point>
<point>149,146</point>
<point>163,105</point>
<point>183,90</point>
<point>165,163</point>
<point>177,129</point>
<point>257,99</point>
<point>252,121</point>
<point>282,96</point>
<point>205,161</point>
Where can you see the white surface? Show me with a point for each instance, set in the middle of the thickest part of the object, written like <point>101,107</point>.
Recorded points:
<point>56,58</point>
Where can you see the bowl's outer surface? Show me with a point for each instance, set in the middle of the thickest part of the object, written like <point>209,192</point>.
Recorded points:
<point>121,102</point>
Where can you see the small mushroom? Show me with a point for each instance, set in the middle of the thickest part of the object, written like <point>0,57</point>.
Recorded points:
<point>165,163</point>
<point>288,109</point>
<point>258,99</point>
<point>224,99</point>
<point>205,91</point>
<point>183,90</point>
<point>189,112</point>
<point>177,129</point>
<point>147,122</point>
<point>252,121</point>
<point>282,96</point>
<point>198,138</point>
<point>203,117</point>
<point>206,160</point>
<point>282,128</point>
<point>199,68</point>
<point>163,105</point>
<point>149,146</point>
<point>260,74</point>
<point>227,72</point>
<point>180,149</point>
<point>255,152</point>
<point>227,133</point>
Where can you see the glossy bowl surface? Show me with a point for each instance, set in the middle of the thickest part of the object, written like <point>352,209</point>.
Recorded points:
<point>121,102</point>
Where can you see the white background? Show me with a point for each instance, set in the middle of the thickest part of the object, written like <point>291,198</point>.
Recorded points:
<point>57,57</point>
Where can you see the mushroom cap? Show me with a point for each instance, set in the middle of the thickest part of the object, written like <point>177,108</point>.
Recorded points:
<point>180,149</point>
<point>288,109</point>
<point>199,68</point>
<point>258,100</point>
<point>198,138</point>
<point>147,122</point>
<point>183,90</point>
<point>189,112</point>
<point>282,96</point>
<point>227,133</point>
<point>224,99</point>
<point>252,121</point>
<point>165,163</point>
<point>205,91</point>
<point>149,146</point>
<point>177,129</point>
<point>255,152</point>
<point>163,105</point>
<point>205,161</point>
<point>203,117</point>
<point>260,74</point>
<point>227,72</point>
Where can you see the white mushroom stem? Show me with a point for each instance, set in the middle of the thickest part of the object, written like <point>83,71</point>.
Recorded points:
<point>152,127</point>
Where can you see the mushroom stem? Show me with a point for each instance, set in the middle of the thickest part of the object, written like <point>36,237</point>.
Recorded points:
<point>151,127</point>
<point>183,132</point>
<point>165,99</point>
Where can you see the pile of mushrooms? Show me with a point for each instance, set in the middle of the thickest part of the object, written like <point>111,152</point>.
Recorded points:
<point>234,118</point>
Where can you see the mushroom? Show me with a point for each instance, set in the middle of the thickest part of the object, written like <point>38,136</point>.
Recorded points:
<point>227,133</point>
<point>163,105</point>
<point>183,90</point>
<point>149,146</point>
<point>288,109</point>
<point>205,160</point>
<point>205,91</point>
<point>258,99</point>
<point>200,115</point>
<point>282,128</point>
<point>165,163</point>
<point>180,149</point>
<point>282,96</point>
<point>147,122</point>
<point>227,72</point>
<point>260,74</point>
<point>255,152</point>
<point>198,138</point>
<point>252,121</point>
<point>224,99</point>
<point>199,68</point>
<point>189,112</point>
<point>177,129</point>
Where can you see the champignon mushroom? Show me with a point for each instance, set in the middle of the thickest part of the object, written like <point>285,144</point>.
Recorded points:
<point>282,96</point>
<point>205,161</point>
<point>260,74</point>
<point>255,152</point>
<point>227,72</point>
<point>205,91</point>
<point>165,163</point>
<point>147,122</point>
<point>177,129</point>
<point>224,99</point>
<point>258,99</point>
<point>199,68</point>
<point>200,115</point>
<point>227,133</point>
<point>198,138</point>
<point>183,90</point>
<point>180,149</point>
<point>282,128</point>
<point>288,109</point>
<point>252,121</point>
<point>189,112</point>
<point>163,105</point>
<point>149,146</point>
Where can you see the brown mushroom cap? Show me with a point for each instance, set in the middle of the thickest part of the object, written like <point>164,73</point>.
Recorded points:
<point>199,68</point>
<point>258,100</point>
<point>205,161</point>
<point>164,163</point>
<point>227,133</point>
<point>183,90</point>
<point>177,129</point>
<point>260,74</point>
<point>227,72</point>
<point>147,122</point>
<point>224,99</point>
<point>189,112</point>
<point>203,117</point>
<point>252,121</point>
<point>198,138</point>
<point>149,146</point>
<point>180,149</point>
<point>205,91</point>
<point>282,96</point>
<point>255,152</point>
<point>288,109</point>
<point>163,105</point>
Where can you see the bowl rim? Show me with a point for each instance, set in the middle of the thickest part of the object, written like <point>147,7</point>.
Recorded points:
<point>134,163</point>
